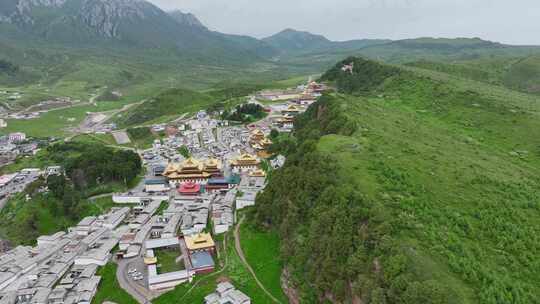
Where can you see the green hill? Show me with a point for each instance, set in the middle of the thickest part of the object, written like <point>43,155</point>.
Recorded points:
<point>423,188</point>
<point>517,73</point>
<point>291,42</point>
<point>168,104</point>
<point>524,75</point>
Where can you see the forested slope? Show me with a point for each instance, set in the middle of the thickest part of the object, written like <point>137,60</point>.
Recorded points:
<point>413,190</point>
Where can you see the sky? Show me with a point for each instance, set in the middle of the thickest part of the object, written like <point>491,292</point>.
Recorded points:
<point>507,21</point>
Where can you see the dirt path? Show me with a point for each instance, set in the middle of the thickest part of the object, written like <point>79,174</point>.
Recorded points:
<point>240,253</point>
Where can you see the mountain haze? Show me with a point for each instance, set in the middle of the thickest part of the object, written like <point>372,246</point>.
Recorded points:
<point>293,41</point>
<point>121,23</point>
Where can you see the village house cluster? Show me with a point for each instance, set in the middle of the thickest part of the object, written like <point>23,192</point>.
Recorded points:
<point>163,232</point>
<point>62,267</point>
<point>17,144</point>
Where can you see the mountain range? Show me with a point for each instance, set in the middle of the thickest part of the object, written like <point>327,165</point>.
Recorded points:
<point>140,24</point>
<point>47,40</point>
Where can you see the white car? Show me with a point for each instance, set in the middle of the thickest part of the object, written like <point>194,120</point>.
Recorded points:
<point>132,270</point>
<point>138,278</point>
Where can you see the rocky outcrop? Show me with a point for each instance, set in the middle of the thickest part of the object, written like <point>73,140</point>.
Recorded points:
<point>102,16</point>
<point>187,19</point>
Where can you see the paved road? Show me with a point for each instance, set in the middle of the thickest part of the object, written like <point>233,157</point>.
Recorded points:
<point>134,289</point>
<point>246,264</point>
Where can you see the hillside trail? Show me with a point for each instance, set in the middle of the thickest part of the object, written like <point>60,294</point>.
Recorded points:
<point>240,253</point>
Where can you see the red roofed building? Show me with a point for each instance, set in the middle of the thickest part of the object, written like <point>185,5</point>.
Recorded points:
<point>189,189</point>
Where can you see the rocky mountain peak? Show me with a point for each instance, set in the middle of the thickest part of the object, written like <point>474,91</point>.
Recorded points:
<point>186,19</point>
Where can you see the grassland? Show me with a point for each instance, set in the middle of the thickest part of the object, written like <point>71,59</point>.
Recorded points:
<point>458,162</point>
<point>142,137</point>
<point>58,123</point>
<point>262,253</point>
<point>106,139</point>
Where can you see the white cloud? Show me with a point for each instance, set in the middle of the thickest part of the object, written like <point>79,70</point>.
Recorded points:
<point>499,20</point>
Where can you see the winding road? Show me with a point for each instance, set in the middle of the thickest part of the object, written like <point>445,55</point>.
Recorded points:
<point>240,253</point>
<point>139,293</point>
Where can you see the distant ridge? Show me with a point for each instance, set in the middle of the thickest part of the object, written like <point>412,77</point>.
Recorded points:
<point>290,40</point>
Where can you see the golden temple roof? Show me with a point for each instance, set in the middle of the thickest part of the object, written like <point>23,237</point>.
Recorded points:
<point>199,241</point>
<point>265,141</point>
<point>257,132</point>
<point>292,108</point>
<point>245,158</point>
<point>212,162</point>
<point>189,168</point>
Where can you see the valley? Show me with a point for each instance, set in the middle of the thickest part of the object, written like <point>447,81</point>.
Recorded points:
<point>146,157</point>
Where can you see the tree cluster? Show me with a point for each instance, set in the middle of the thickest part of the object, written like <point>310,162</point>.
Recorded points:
<point>245,113</point>
<point>89,166</point>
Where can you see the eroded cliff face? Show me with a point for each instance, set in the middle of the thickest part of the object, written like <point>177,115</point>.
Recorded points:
<point>102,16</point>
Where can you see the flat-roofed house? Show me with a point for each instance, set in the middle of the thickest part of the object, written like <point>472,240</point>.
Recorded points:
<point>47,240</point>
<point>156,184</point>
<point>85,226</point>
<point>115,217</point>
<point>246,199</point>
<point>226,293</point>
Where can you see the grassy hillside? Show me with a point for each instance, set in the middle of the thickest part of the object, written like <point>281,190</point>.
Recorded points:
<point>430,192</point>
<point>524,75</point>
<point>521,73</point>
<point>170,104</point>
<point>414,50</point>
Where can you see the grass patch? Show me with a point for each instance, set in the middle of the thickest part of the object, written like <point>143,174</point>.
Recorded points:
<point>109,289</point>
<point>167,260</point>
<point>106,139</point>
<point>58,122</point>
<point>141,137</point>
<point>262,253</point>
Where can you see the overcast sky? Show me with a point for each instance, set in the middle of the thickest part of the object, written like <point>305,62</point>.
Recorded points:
<point>508,21</point>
